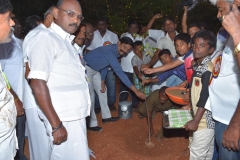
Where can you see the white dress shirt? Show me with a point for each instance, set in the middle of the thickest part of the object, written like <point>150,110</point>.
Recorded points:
<point>11,59</point>
<point>55,61</point>
<point>156,34</point>
<point>126,61</point>
<point>224,90</point>
<point>28,38</point>
<point>167,43</point>
<point>98,41</point>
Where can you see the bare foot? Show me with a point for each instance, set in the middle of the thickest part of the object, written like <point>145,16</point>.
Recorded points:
<point>185,151</point>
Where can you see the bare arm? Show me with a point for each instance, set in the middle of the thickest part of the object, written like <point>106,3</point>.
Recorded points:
<point>152,61</point>
<point>18,103</point>
<point>150,23</point>
<point>138,93</point>
<point>139,75</point>
<point>43,99</point>
<point>184,20</point>
<point>193,124</point>
<point>163,68</point>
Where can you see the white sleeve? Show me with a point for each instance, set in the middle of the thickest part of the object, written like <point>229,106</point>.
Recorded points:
<point>41,57</point>
<point>160,44</point>
<point>155,34</point>
<point>181,59</point>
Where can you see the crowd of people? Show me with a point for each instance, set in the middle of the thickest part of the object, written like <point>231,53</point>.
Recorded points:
<point>62,71</point>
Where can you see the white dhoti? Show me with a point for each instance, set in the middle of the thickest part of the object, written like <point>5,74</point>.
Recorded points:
<point>76,146</point>
<point>38,140</point>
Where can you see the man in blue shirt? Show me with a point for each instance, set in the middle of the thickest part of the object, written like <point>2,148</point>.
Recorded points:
<point>103,57</point>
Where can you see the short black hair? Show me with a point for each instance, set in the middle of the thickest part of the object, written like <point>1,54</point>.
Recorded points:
<point>133,21</point>
<point>168,19</point>
<point>31,23</point>
<point>137,43</point>
<point>126,40</point>
<point>164,51</point>
<point>105,19</point>
<point>183,37</point>
<point>163,89</point>
<point>5,6</point>
<point>195,25</point>
<point>208,36</point>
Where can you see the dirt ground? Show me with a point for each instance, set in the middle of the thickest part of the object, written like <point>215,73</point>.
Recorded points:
<point>125,140</point>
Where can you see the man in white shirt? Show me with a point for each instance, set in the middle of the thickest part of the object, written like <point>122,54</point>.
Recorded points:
<point>35,129</point>
<point>59,83</point>
<point>102,37</point>
<point>8,113</point>
<point>12,65</point>
<point>224,90</point>
<point>133,28</point>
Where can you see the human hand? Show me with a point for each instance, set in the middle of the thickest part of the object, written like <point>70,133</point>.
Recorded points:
<point>144,66</point>
<point>145,81</point>
<point>157,16</point>
<point>19,107</point>
<point>191,125</point>
<point>148,70</point>
<point>60,135</point>
<point>231,137</point>
<point>183,84</point>
<point>103,87</point>
<point>237,2</point>
<point>186,96</point>
<point>231,21</point>
<point>140,95</point>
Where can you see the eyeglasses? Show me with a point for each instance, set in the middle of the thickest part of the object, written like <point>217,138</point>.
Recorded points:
<point>72,14</point>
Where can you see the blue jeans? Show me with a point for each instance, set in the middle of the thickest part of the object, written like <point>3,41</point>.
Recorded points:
<point>20,130</point>
<point>215,153</point>
<point>111,87</point>
<point>173,81</point>
<point>224,153</point>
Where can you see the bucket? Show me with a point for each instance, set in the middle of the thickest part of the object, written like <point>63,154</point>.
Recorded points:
<point>125,108</point>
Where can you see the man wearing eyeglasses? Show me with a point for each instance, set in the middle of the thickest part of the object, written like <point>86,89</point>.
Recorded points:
<point>59,84</point>
<point>8,112</point>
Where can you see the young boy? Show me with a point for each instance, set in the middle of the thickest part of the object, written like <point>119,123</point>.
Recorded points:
<point>139,59</point>
<point>166,57</point>
<point>183,48</point>
<point>202,125</point>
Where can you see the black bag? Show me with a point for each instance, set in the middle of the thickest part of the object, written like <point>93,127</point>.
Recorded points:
<point>186,3</point>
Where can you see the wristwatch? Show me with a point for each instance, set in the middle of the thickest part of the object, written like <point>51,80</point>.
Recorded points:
<point>236,50</point>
